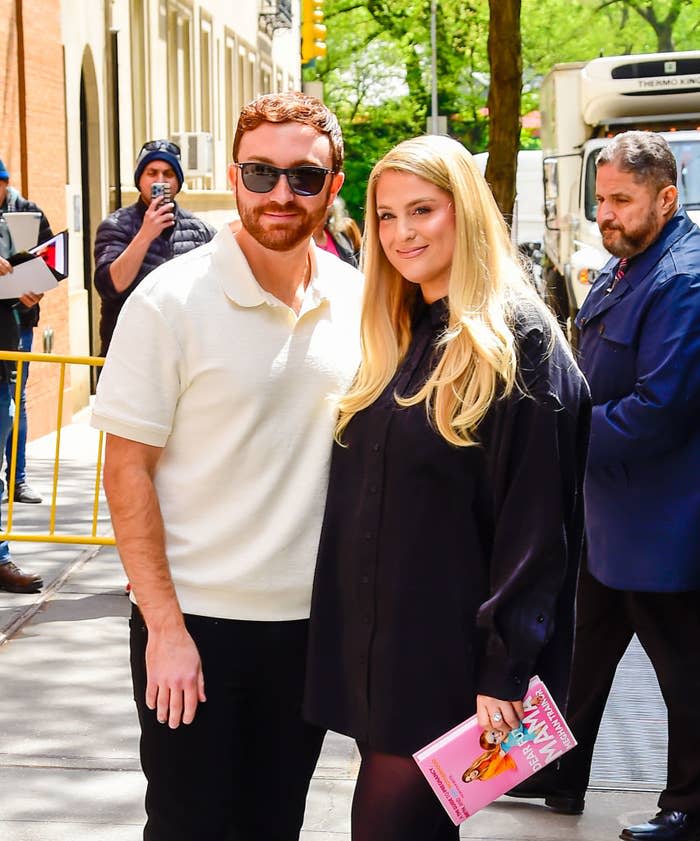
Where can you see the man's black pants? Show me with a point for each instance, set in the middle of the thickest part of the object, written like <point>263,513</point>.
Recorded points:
<point>668,627</point>
<point>241,770</point>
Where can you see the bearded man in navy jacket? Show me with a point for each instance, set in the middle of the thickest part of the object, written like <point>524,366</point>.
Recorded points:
<point>640,351</point>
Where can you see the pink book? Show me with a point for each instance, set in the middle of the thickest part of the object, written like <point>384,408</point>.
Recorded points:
<point>469,767</point>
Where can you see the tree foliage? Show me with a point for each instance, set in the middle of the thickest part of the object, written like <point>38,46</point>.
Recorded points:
<point>661,17</point>
<point>377,75</point>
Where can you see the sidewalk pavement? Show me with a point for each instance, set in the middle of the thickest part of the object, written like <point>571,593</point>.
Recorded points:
<point>69,736</point>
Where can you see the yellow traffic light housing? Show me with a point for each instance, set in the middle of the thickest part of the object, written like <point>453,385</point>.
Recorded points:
<point>313,31</point>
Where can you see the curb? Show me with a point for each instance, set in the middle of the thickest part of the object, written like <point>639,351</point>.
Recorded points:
<point>26,613</point>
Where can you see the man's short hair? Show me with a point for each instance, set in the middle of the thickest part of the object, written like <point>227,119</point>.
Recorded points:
<point>644,154</point>
<point>292,107</point>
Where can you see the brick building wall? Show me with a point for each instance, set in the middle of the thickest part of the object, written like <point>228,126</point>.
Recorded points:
<point>31,54</point>
<point>9,125</point>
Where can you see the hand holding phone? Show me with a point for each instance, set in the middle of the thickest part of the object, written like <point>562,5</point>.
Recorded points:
<point>160,214</point>
<point>161,190</point>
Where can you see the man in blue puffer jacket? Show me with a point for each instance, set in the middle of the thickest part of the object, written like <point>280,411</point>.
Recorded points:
<point>133,240</point>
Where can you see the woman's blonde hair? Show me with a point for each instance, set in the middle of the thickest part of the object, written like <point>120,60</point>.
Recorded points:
<point>478,363</point>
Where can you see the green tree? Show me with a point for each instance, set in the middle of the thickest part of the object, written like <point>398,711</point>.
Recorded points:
<point>377,74</point>
<point>662,17</point>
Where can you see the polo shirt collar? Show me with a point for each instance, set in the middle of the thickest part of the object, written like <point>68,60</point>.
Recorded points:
<point>319,287</point>
<point>240,285</point>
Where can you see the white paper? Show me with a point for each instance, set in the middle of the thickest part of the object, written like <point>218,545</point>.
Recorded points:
<point>32,276</point>
<point>24,227</point>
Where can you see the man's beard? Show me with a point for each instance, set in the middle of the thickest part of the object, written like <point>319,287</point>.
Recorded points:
<point>631,243</point>
<point>286,235</point>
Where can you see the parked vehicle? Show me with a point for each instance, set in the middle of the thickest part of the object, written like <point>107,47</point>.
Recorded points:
<point>582,106</point>
<point>527,225</point>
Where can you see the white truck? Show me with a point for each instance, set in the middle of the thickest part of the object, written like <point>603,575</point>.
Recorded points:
<point>527,225</point>
<point>582,106</point>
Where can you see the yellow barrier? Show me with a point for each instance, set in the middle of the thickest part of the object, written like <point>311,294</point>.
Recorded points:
<point>51,536</point>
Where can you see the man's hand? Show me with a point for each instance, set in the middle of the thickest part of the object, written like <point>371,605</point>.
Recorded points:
<point>5,267</point>
<point>174,679</point>
<point>175,682</point>
<point>492,713</point>
<point>159,216</point>
<point>29,299</point>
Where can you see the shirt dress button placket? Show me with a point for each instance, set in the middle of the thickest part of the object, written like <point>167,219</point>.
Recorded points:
<point>368,549</point>
<point>369,520</point>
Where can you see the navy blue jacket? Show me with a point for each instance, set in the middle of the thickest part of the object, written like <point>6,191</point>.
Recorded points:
<point>640,351</point>
<point>113,236</point>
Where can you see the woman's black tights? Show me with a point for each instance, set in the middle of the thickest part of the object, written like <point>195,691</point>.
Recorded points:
<point>393,802</point>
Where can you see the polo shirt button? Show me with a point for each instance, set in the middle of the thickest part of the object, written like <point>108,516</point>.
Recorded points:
<point>373,489</point>
<point>375,448</point>
<point>364,579</point>
<point>517,681</point>
<point>368,535</point>
<point>601,329</point>
<point>540,618</point>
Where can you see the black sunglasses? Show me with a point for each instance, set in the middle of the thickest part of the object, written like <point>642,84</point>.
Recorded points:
<point>302,180</point>
<point>161,146</point>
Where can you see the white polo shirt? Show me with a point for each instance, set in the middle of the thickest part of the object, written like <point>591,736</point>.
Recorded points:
<point>235,387</point>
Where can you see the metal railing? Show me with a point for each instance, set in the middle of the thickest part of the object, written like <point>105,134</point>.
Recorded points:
<point>51,536</point>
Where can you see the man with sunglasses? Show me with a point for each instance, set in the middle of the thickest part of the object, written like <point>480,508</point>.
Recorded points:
<point>215,398</point>
<point>133,240</point>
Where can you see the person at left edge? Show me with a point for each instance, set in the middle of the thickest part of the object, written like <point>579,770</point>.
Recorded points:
<point>135,239</point>
<point>452,533</point>
<point>12,578</point>
<point>215,396</point>
<point>339,234</point>
<point>27,310</point>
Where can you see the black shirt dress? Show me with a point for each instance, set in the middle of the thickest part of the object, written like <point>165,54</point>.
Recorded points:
<point>448,571</point>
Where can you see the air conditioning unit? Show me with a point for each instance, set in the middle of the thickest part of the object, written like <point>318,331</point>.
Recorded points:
<point>197,151</point>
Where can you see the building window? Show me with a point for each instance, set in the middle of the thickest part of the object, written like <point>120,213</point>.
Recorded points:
<point>265,79</point>
<point>205,61</point>
<point>231,105</point>
<point>180,69</point>
<point>139,74</point>
<point>246,82</point>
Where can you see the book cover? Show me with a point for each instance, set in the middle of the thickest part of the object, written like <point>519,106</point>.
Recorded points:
<point>469,767</point>
<point>54,253</point>
<point>37,270</point>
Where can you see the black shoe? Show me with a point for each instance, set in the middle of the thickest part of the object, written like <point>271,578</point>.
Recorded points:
<point>668,825</point>
<point>23,493</point>
<point>14,580</point>
<point>562,802</point>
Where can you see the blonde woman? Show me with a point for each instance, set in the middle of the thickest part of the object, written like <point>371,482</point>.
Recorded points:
<point>452,531</point>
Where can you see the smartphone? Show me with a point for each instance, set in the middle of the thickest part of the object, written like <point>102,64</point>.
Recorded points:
<point>161,190</point>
